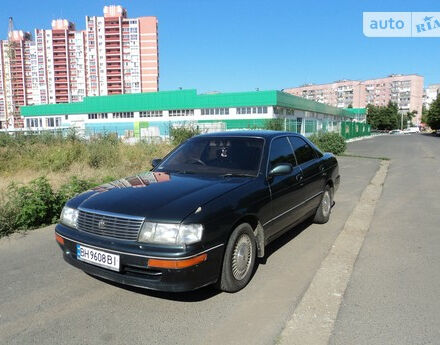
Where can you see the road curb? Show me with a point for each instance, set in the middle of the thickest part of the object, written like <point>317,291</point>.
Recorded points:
<point>314,317</point>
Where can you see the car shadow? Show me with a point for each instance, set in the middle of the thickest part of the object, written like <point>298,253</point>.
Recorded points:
<point>198,295</point>
<point>284,239</point>
<point>210,291</point>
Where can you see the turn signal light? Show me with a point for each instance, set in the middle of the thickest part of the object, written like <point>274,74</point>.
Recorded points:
<point>59,239</point>
<point>177,264</point>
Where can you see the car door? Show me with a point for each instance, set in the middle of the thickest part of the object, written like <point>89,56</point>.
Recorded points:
<point>285,190</point>
<point>312,169</point>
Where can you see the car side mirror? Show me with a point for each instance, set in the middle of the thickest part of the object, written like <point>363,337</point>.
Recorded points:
<point>155,162</point>
<point>281,169</point>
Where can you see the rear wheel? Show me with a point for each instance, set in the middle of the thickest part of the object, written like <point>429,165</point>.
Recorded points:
<point>323,212</point>
<point>239,259</point>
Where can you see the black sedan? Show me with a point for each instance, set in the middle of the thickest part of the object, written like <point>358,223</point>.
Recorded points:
<point>203,214</point>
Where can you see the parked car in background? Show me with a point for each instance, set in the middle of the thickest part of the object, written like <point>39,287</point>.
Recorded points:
<point>203,214</point>
<point>411,130</point>
<point>395,131</point>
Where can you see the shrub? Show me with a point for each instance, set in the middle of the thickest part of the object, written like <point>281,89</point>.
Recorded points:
<point>274,124</point>
<point>179,134</point>
<point>37,204</point>
<point>68,191</point>
<point>329,142</point>
<point>32,204</point>
<point>103,151</point>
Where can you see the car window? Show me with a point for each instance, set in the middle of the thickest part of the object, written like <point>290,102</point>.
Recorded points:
<point>303,151</point>
<point>281,152</point>
<point>216,155</point>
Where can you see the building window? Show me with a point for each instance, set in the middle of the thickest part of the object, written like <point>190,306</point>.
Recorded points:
<point>215,111</point>
<point>33,123</point>
<point>182,112</point>
<point>151,113</point>
<point>53,122</point>
<point>98,116</point>
<point>123,115</point>
<point>252,110</point>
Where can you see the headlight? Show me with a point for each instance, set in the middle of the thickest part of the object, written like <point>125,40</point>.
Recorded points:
<point>170,233</point>
<point>69,216</point>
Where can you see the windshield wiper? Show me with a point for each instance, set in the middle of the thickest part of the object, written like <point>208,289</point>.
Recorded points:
<point>237,175</point>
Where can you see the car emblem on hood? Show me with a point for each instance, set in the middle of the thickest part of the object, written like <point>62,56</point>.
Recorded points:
<point>101,224</point>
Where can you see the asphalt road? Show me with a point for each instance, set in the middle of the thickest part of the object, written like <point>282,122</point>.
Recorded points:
<point>393,295</point>
<point>43,300</point>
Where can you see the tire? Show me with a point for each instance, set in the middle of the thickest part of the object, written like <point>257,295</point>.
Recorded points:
<point>239,259</point>
<point>322,214</point>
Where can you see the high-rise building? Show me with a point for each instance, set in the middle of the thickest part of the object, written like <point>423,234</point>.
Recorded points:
<point>432,92</point>
<point>122,53</point>
<point>404,90</point>
<point>113,55</point>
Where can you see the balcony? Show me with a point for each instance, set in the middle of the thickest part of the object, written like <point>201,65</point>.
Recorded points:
<point>112,45</point>
<point>111,24</point>
<point>113,30</point>
<point>114,92</point>
<point>113,38</point>
<point>114,58</point>
<point>113,72</point>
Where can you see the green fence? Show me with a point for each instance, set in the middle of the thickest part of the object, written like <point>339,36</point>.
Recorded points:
<point>351,130</point>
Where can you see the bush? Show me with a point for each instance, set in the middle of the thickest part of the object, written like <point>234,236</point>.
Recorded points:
<point>274,124</point>
<point>67,191</point>
<point>37,204</point>
<point>329,142</point>
<point>32,204</point>
<point>179,134</point>
<point>103,151</point>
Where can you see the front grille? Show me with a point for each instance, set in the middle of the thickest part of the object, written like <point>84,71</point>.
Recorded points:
<point>120,227</point>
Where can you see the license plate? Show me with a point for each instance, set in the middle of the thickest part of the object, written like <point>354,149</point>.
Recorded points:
<point>97,257</point>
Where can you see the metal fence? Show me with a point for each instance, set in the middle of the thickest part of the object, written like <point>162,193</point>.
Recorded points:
<point>305,127</point>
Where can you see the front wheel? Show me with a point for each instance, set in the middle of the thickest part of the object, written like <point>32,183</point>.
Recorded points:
<point>323,212</point>
<point>239,259</point>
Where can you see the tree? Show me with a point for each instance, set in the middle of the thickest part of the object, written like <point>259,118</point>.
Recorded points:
<point>408,117</point>
<point>383,118</point>
<point>424,114</point>
<point>434,114</point>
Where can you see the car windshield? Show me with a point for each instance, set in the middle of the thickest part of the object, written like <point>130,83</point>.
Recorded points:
<point>216,155</point>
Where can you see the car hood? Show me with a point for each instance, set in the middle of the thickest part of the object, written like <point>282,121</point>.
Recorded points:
<point>156,195</point>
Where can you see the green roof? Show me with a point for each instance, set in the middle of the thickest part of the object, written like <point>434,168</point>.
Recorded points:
<point>357,111</point>
<point>181,99</point>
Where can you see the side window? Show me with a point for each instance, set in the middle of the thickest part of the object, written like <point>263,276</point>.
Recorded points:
<point>303,151</point>
<point>281,152</point>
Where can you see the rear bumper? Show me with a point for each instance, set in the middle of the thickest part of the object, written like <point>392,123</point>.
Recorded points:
<point>134,270</point>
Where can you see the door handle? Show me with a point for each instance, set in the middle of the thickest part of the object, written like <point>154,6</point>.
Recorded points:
<point>299,177</point>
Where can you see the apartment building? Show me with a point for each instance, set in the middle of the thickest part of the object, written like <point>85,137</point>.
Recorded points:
<point>122,53</point>
<point>404,90</point>
<point>113,55</point>
<point>432,92</point>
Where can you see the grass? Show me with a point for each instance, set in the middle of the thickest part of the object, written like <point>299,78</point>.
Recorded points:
<point>39,173</point>
<point>60,158</point>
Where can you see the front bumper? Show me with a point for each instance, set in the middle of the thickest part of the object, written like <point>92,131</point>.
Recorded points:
<point>134,270</point>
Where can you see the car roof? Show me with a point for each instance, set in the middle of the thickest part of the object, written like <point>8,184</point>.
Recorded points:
<point>248,133</point>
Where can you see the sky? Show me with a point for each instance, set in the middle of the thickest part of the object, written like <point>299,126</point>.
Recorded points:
<point>243,45</point>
